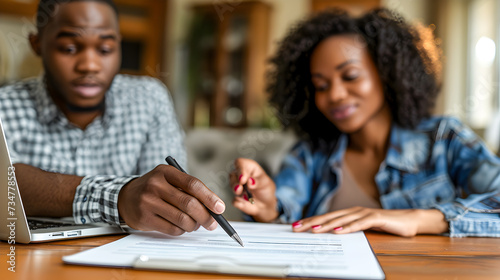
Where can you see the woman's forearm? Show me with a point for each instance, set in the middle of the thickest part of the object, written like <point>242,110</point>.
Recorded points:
<point>431,221</point>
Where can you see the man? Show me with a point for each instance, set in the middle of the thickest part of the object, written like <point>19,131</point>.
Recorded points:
<point>79,132</point>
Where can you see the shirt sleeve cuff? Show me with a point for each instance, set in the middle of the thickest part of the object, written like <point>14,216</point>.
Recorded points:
<point>96,199</point>
<point>464,222</point>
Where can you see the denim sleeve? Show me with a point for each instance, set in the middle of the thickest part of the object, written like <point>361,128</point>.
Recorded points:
<point>476,171</point>
<point>294,183</point>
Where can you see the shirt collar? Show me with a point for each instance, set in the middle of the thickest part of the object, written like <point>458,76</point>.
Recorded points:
<point>405,151</point>
<point>114,104</point>
<point>336,158</point>
<point>47,110</point>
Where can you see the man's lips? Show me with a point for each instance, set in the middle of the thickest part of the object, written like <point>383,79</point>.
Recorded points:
<point>342,112</point>
<point>88,90</point>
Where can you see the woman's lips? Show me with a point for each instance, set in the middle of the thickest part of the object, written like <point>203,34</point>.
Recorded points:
<point>88,91</point>
<point>342,112</point>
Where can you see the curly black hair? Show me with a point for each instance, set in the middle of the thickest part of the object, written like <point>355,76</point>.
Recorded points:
<point>408,70</point>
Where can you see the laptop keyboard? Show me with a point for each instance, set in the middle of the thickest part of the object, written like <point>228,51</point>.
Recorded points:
<point>34,224</point>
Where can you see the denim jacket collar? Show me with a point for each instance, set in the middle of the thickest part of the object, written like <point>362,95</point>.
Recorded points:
<point>408,149</point>
<point>403,153</point>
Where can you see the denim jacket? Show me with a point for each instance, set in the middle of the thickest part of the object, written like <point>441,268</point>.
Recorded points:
<point>441,164</point>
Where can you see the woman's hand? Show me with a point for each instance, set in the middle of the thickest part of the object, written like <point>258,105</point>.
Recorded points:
<point>404,222</point>
<point>259,184</point>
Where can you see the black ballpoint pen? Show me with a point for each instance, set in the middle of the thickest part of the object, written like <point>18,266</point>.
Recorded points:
<point>218,217</point>
<point>248,194</point>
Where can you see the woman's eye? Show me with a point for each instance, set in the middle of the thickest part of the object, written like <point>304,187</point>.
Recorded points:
<point>351,76</point>
<point>321,87</point>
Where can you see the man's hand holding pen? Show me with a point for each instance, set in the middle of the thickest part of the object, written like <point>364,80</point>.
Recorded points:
<point>218,217</point>
<point>250,181</point>
<point>168,200</point>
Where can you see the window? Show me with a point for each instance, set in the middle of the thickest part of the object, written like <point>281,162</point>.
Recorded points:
<point>482,99</point>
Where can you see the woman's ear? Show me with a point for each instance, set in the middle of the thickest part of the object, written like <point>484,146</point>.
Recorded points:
<point>35,43</point>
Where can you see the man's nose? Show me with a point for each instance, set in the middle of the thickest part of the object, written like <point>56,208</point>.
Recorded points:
<point>89,62</point>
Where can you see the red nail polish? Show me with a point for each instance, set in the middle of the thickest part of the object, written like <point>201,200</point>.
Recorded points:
<point>297,224</point>
<point>239,178</point>
<point>316,227</point>
<point>338,228</point>
<point>245,197</point>
<point>236,187</point>
<point>252,181</point>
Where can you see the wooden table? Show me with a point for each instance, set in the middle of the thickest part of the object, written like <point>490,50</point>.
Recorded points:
<point>421,257</point>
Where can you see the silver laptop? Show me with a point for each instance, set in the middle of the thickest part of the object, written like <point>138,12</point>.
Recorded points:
<point>16,227</point>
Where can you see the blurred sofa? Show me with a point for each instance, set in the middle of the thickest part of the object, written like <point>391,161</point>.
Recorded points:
<point>211,154</point>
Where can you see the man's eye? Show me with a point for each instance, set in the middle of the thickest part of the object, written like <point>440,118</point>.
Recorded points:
<point>68,49</point>
<point>105,51</point>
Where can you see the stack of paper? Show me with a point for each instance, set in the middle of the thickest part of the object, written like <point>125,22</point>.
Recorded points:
<point>270,250</point>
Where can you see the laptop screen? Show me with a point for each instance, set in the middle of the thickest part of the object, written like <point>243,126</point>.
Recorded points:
<point>11,207</point>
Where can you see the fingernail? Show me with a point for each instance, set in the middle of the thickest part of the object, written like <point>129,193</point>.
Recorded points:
<point>245,197</point>
<point>316,227</point>
<point>252,181</point>
<point>236,188</point>
<point>239,178</point>
<point>219,207</point>
<point>297,224</point>
<point>338,228</point>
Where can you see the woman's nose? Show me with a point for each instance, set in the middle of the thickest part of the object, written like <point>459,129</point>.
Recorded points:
<point>337,91</point>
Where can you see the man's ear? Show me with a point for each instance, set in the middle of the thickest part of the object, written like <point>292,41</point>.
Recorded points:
<point>35,43</point>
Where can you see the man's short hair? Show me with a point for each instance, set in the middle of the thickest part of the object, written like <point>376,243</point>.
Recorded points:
<point>47,9</point>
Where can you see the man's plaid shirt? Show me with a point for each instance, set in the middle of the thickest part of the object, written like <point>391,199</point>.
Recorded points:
<point>136,132</point>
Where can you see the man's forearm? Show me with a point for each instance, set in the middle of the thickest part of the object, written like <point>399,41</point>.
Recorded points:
<point>46,193</point>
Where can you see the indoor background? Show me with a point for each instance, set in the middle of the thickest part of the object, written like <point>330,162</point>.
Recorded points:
<point>212,56</point>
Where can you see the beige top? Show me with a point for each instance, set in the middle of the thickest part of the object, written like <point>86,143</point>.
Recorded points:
<point>349,194</point>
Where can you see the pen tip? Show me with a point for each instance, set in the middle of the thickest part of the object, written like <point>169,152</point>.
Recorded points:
<point>237,238</point>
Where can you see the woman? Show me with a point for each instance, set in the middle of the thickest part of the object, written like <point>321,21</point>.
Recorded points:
<point>359,92</point>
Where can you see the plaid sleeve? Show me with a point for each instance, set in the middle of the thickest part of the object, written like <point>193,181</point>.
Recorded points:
<point>96,199</point>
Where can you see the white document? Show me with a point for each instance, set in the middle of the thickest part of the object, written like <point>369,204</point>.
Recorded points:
<point>270,250</point>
